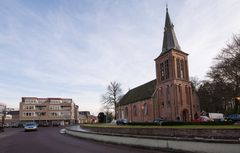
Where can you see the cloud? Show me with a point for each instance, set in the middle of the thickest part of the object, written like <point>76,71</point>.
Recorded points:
<point>75,48</point>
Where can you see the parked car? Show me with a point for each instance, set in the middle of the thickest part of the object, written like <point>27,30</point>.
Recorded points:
<point>16,125</point>
<point>203,119</point>
<point>30,126</point>
<point>62,131</point>
<point>122,122</point>
<point>43,124</point>
<point>233,117</point>
<point>6,125</point>
<point>159,121</point>
<point>216,117</point>
<point>1,128</point>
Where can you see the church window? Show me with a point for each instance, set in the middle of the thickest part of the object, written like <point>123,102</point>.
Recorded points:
<point>126,112</point>
<point>182,70</point>
<point>166,70</point>
<point>134,110</point>
<point>178,68</point>
<point>162,71</point>
<point>145,109</point>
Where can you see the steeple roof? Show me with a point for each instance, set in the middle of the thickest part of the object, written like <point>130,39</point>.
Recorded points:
<point>169,38</point>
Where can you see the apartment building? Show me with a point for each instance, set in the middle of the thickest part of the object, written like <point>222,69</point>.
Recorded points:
<point>48,111</point>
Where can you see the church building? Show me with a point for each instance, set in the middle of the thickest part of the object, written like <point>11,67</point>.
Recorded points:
<point>170,96</point>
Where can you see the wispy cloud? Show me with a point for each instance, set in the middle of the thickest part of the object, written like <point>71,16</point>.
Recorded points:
<point>75,48</point>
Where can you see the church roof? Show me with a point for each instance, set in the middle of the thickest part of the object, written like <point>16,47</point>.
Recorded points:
<point>139,93</point>
<point>169,39</point>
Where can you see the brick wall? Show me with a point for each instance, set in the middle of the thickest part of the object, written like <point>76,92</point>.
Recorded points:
<point>172,132</point>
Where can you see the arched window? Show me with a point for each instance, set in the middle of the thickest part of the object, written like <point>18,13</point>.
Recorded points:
<point>134,110</point>
<point>126,112</point>
<point>145,109</point>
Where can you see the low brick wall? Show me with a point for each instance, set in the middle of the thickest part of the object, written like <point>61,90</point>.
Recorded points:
<point>172,132</point>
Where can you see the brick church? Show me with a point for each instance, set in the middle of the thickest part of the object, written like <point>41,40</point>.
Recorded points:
<point>170,96</point>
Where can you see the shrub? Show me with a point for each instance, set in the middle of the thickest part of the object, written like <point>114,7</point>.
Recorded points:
<point>177,123</point>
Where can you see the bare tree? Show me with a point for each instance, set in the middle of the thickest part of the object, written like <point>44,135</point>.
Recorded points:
<point>225,74</point>
<point>196,82</point>
<point>112,96</point>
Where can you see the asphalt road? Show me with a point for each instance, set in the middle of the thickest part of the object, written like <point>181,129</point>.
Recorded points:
<point>49,140</point>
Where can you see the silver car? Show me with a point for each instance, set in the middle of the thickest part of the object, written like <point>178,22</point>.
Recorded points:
<point>30,126</point>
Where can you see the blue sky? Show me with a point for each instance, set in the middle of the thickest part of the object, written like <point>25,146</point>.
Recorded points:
<point>74,48</point>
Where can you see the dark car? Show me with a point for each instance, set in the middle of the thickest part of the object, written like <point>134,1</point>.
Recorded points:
<point>122,122</point>
<point>16,125</point>
<point>159,121</point>
<point>1,128</point>
<point>233,117</point>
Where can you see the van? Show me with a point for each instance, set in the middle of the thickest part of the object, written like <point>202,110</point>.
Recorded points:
<point>217,117</point>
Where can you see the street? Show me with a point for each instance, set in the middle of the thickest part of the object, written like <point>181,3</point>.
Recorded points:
<point>49,140</point>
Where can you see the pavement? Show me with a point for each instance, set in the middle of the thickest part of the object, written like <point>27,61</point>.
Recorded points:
<point>50,140</point>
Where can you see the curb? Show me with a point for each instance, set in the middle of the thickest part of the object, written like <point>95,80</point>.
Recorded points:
<point>203,146</point>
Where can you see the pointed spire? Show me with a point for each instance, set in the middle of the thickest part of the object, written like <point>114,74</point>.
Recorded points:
<point>169,38</point>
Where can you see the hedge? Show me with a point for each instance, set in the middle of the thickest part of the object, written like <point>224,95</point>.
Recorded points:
<point>177,123</point>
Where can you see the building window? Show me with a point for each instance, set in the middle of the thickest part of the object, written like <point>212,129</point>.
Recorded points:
<point>162,71</point>
<point>55,113</point>
<point>29,107</point>
<point>66,114</point>
<point>145,109</point>
<point>28,113</point>
<point>39,114</point>
<point>182,70</point>
<point>126,112</point>
<point>166,70</point>
<point>55,101</point>
<point>30,101</point>
<point>178,68</point>
<point>134,110</point>
<point>54,107</point>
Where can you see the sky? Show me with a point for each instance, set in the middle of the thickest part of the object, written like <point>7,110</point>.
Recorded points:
<point>75,48</point>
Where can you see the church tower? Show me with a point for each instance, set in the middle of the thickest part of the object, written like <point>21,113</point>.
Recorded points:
<point>173,97</point>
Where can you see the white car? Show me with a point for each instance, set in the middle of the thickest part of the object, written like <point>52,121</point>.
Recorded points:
<point>31,126</point>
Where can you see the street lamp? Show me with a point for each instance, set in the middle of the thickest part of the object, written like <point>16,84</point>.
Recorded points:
<point>238,98</point>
